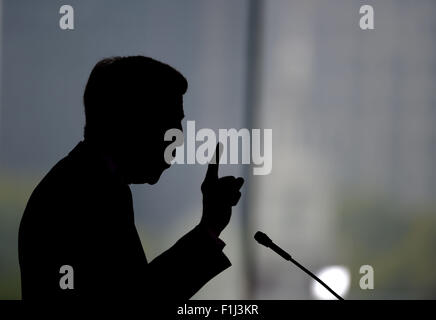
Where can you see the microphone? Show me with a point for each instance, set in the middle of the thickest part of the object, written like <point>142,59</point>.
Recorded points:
<point>264,240</point>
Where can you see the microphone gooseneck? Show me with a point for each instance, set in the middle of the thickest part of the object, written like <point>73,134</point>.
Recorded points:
<point>264,240</point>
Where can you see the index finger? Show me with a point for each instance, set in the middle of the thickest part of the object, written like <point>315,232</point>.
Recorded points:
<point>212,169</point>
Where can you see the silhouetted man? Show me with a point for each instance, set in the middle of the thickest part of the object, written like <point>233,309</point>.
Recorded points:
<point>81,213</point>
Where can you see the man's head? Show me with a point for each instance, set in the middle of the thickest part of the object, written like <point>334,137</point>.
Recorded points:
<point>130,102</point>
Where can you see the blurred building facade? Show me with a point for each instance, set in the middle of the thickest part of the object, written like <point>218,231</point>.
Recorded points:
<point>352,113</point>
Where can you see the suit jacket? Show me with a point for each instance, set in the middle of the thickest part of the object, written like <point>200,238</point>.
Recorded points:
<point>81,215</point>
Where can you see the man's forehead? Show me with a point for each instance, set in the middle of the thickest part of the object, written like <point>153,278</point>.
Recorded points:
<point>180,113</point>
<point>177,103</point>
<point>173,104</point>
<point>169,97</point>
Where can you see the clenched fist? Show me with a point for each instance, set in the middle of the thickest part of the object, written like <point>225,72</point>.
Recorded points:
<point>219,196</point>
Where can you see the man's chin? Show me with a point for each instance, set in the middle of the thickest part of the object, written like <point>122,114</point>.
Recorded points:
<point>153,180</point>
<point>149,179</point>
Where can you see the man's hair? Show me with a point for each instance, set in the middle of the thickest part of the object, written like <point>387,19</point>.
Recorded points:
<point>118,87</point>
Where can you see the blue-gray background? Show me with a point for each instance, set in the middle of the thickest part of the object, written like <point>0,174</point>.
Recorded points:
<point>352,114</point>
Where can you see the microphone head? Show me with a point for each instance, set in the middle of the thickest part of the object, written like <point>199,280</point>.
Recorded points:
<point>263,239</point>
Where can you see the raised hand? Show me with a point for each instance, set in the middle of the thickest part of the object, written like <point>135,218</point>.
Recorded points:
<point>219,196</point>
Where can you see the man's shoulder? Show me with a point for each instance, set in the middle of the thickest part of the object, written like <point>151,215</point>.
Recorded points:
<point>72,180</point>
<point>67,173</point>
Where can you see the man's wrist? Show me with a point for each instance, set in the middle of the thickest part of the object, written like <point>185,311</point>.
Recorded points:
<point>212,234</point>
<point>213,231</point>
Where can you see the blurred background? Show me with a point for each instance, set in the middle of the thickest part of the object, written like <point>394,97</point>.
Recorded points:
<point>352,114</point>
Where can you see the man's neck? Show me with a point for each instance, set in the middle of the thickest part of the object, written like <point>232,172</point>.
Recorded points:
<point>110,160</point>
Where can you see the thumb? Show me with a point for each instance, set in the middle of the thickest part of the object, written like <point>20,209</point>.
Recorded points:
<point>212,169</point>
